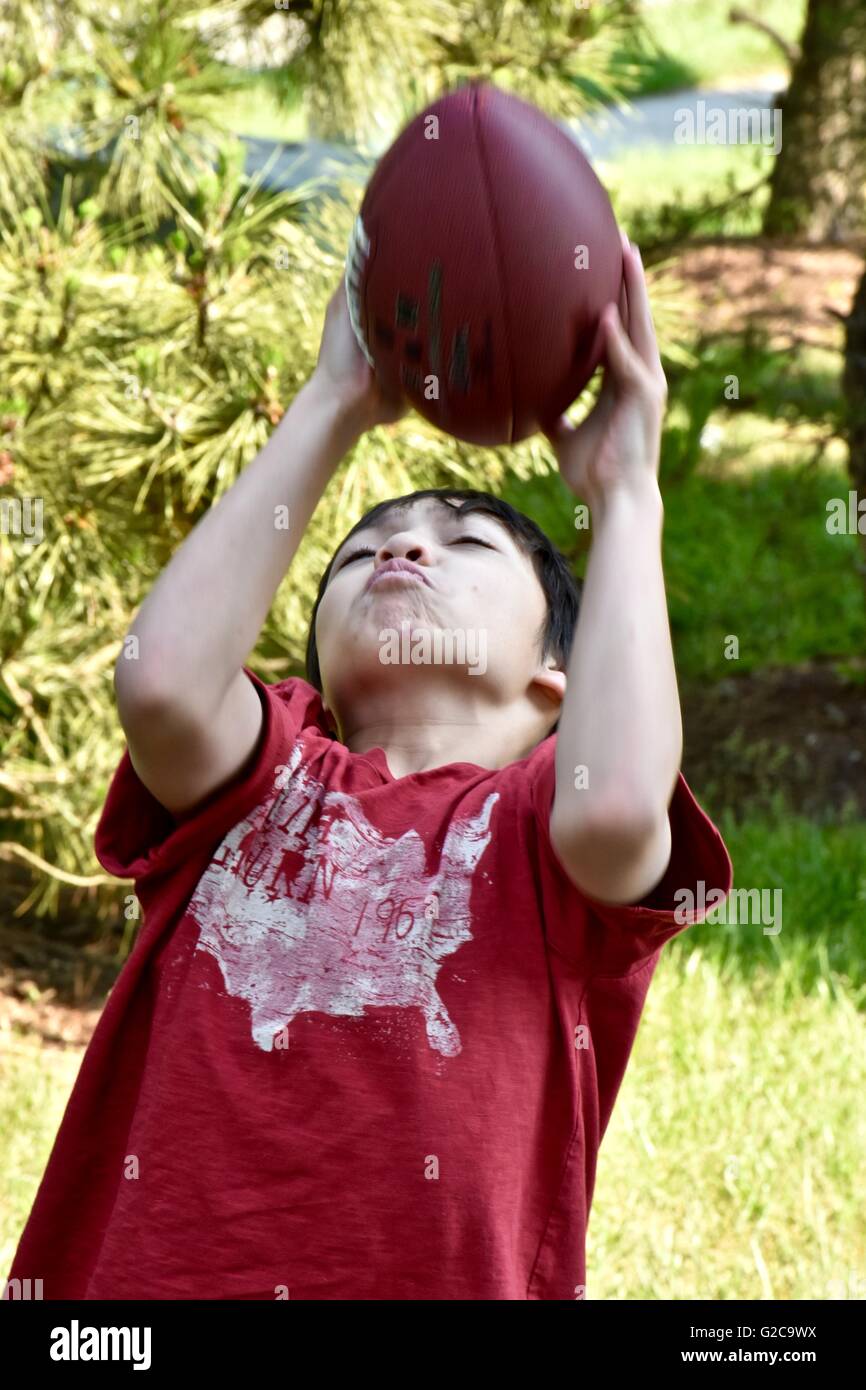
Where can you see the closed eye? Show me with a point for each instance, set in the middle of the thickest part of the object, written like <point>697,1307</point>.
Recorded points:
<point>462,540</point>
<point>349,558</point>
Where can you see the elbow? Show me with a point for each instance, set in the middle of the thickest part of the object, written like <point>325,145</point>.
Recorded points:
<point>140,685</point>
<point>618,819</point>
<point>612,852</point>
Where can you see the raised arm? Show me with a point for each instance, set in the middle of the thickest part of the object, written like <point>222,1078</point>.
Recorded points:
<point>191,716</point>
<point>621,716</point>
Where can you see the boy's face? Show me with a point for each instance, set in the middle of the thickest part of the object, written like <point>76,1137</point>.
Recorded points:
<point>476,584</point>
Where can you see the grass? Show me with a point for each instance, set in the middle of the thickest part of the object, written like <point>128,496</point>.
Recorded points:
<point>821,872</point>
<point>643,180</point>
<point>731,1167</point>
<point>698,45</point>
<point>35,1083</point>
<point>256,112</point>
<point>746,548</point>
<point>751,558</point>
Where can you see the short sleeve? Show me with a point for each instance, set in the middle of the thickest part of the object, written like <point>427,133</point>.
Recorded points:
<point>614,939</point>
<point>136,836</point>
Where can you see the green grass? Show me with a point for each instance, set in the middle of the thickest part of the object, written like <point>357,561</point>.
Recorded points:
<point>643,180</point>
<point>751,557</point>
<point>821,872</point>
<point>253,109</point>
<point>34,1087</point>
<point>256,112</point>
<point>732,1165</point>
<point>746,548</point>
<point>700,47</point>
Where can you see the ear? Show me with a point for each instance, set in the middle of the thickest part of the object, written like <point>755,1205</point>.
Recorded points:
<point>550,682</point>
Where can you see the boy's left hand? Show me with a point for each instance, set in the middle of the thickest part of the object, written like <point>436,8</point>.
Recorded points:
<point>617,446</point>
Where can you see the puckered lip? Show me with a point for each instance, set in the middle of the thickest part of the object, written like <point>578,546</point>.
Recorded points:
<point>394,567</point>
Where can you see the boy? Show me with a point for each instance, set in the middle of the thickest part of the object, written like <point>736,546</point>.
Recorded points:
<point>397,936</point>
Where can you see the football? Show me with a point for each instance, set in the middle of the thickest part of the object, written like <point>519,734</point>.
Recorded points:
<point>482,256</point>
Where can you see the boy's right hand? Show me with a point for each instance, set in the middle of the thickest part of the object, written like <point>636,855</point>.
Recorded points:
<point>342,370</point>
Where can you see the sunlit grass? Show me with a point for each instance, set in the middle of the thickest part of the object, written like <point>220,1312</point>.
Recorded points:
<point>820,872</point>
<point>257,113</point>
<point>648,176</point>
<point>746,551</point>
<point>35,1083</point>
<point>732,1167</point>
<point>746,443</point>
<point>703,47</point>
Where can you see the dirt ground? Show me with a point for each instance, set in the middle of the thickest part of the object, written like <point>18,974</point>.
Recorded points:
<point>32,1010</point>
<point>796,295</point>
<point>798,729</point>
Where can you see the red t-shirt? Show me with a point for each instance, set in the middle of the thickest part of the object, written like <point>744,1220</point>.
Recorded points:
<point>367,1042</point>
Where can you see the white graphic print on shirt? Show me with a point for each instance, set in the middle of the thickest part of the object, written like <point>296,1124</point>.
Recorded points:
<point>330,915</point>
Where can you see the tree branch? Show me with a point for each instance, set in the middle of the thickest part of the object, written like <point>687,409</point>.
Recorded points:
<point>790,50</point>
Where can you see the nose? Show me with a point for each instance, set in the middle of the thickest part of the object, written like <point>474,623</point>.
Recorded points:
<point>406,545</point>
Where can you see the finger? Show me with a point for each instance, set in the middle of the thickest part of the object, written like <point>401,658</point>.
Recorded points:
<point>620,355</point>
<point>623,304</point>
<point>640,327</point>
<point>623,291</point>
<point>559,431</point>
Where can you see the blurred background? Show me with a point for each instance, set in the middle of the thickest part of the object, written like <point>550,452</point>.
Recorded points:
<point>177,185</point>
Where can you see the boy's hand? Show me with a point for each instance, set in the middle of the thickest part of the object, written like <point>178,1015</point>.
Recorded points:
<point>617,446</point>
<point>343,372</point>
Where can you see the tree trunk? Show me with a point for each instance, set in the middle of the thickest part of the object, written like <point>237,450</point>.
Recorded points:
<point>854,383</point>
<point>818,186</point>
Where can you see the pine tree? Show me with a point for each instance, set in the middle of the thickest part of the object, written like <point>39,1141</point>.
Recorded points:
<point>158,310</point>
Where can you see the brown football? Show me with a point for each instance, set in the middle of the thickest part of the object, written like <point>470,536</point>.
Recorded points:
<point>483,254</point>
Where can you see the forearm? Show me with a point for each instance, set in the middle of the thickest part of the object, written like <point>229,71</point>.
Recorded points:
<point>203,616</point>
<point>621,714</point>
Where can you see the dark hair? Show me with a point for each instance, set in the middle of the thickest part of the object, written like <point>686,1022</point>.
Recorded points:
<point>561,589</point>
